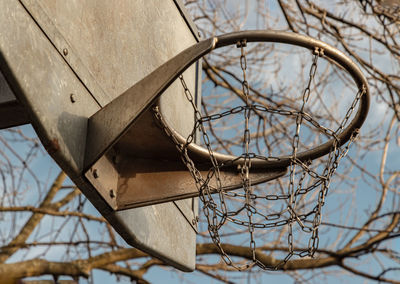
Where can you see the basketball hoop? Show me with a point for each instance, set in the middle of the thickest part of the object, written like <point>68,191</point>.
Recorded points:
<point>216,197</point>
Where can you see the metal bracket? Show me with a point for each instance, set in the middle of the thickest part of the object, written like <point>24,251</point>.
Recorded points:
<point>107,125</point>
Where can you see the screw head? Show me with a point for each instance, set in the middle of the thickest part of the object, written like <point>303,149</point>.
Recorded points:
<point>95,174</point>
<point>65,52</point>
<point>72,98</point>
<point>112,193</point>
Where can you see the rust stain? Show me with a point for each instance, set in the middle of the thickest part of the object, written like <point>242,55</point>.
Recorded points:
<point>53,146</point>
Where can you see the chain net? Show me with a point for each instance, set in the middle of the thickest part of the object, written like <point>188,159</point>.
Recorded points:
<point>243,207</point>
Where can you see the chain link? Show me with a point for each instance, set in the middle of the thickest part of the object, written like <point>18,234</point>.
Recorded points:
<point>216,200</point>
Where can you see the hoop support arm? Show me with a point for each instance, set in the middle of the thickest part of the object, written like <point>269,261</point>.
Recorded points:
<point>111,122</point>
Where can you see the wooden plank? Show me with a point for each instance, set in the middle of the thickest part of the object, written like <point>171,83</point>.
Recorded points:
<point>64,60</point>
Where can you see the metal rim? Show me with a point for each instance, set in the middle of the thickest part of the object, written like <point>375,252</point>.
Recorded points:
<point>330,52</point>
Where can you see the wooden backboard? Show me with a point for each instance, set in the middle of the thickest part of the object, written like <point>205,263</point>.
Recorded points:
<point>66,60</point>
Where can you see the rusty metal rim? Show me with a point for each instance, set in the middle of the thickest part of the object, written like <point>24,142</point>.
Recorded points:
<point>297,40</point>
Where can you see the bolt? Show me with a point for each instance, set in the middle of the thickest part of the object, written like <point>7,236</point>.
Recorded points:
<point>65,52</point>
<point>195,220</point>
<point>95,175</point>
<point>72,97</point>
<point>112,193</point>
